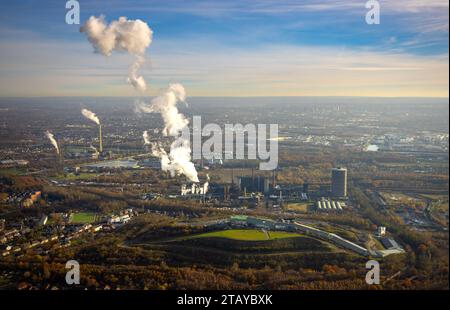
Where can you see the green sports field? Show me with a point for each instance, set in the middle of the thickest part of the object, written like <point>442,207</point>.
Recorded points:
<point>83,218</point>
<point>248,235</point>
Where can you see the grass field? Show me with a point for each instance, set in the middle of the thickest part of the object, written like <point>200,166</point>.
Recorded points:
<point>248,235</point>
<point>83,218</point>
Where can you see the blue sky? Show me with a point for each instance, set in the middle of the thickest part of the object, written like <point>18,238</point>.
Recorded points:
<point>233,48</point>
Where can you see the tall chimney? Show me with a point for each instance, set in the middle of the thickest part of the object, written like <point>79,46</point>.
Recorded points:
<point>60,165</point>
<point>100,139</point>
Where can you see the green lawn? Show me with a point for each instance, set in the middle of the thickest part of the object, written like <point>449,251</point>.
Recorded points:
<point>248,235</point>
<point>83,218</point>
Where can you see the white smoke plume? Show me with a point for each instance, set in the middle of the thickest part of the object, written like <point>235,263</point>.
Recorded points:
<point>90,115</point>
<point>52,140</point>
<point>206,185</point>
<point>94,149</point>
<point>146,138</point>
<point>136,80</point>
<point>178,160</point>
<point>131,36</point>
<point>166,105</point>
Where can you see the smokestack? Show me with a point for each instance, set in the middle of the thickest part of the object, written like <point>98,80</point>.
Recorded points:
<point>61,159</point>
<point>225,192</point>
<point>60,153</point>
<point>100,138</point>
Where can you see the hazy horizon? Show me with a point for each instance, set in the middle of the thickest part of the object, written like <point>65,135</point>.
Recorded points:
<point>231,49</point>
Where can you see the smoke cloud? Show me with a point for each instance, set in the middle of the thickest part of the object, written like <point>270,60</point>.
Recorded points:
<point>178,160</point>
<point>52,139</point>
<point>90,115</point>
<point>123,35</point>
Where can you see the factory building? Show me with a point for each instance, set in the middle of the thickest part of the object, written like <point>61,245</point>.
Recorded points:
<point>194,189</point>
<point>224,192</point>
<point>327,205</point>
<point>253,200</point>
<point>254,184</point>
<point>339,182</point>
<point>290,191</point>
<point>152,162</point>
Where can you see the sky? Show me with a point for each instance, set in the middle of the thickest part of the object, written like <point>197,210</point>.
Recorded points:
<point>238,48</point>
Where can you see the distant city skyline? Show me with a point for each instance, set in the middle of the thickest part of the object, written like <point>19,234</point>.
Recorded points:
<point>233,48</point>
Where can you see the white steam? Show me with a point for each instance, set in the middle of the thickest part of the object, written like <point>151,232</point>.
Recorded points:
<point>95,150</point>
<point>131,36</point>
<point>166,105</point>
<point>90,115</point>
<point>52,140</point>
<point>146,138</point>
<point>136,80</point>
<point>134,37</point>
<point>178,160</point>
<point>206,185</point>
